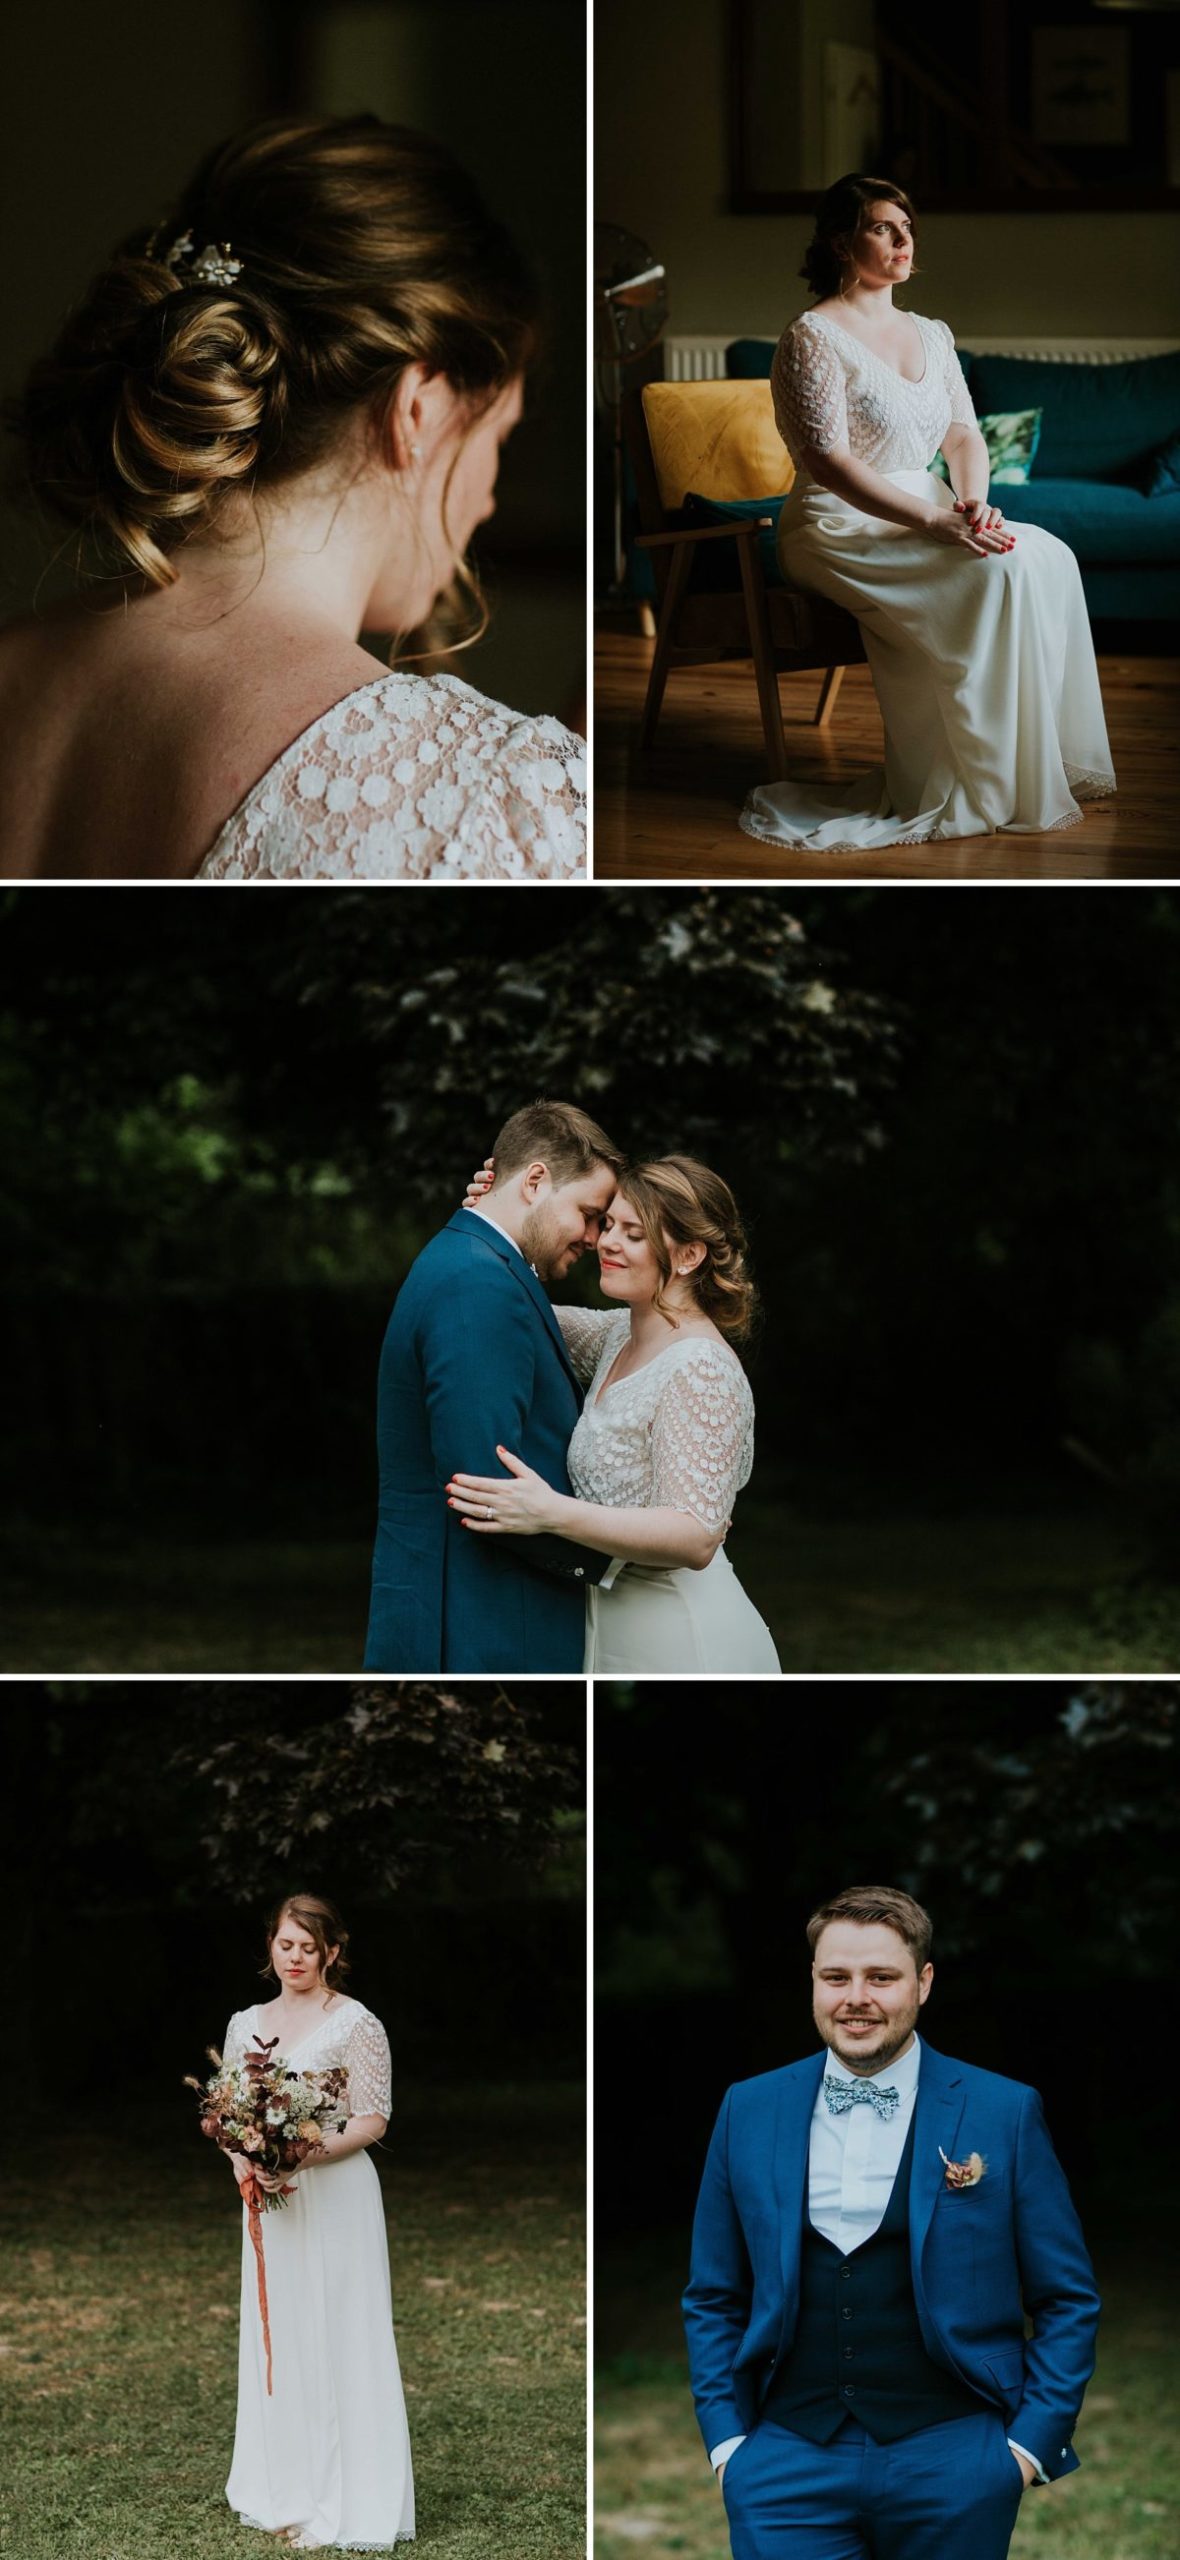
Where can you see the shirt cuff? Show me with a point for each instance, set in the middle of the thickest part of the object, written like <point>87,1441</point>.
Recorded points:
<point>616,1566</point>
<point>1042,2476</point>
<point>722,2452</point>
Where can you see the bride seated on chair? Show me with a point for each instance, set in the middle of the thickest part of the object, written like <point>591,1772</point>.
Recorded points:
<point>979,644</point>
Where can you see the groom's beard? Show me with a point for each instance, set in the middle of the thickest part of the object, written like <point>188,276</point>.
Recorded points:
<point>871,2053</point>
<point>544,1246</point>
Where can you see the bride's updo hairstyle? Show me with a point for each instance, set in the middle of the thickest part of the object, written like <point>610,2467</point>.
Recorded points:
<point>362,248</point>
<point>320,1920</point>
<point>679,1202</point>
<point>838,217</point>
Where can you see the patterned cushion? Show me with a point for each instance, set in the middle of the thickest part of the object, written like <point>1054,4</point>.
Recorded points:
<point>718,438</point>
<point>1011,438</point>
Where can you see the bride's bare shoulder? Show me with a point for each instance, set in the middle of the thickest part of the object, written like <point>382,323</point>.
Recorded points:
<point>210,712</point>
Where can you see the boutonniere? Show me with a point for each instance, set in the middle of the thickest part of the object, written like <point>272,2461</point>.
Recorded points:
<point>963,2173</point>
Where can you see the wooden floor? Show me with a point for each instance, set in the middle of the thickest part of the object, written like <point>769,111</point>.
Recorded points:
<point>673,814</point>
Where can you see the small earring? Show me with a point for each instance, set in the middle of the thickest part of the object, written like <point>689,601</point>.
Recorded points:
<point>415,453</point>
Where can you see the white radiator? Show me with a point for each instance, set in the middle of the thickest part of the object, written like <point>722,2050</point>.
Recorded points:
<point>702,359</point>
<point>695,359</point>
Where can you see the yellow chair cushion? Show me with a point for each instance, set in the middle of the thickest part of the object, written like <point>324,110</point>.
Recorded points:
<point>717,438</point>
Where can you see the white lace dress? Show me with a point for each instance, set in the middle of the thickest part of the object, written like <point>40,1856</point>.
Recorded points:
<point>329,2451</point>
<point>984,668</point>
<point>678,1433</point>
<point>414,778</point>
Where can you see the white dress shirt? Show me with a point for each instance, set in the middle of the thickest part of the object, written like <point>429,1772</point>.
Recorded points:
<point>853,2160</point>
<point>489,1221</point>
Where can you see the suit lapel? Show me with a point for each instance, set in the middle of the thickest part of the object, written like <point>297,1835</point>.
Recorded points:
<point>510,1254</point>
<point>796,2106</point>
<point>937,2116</point>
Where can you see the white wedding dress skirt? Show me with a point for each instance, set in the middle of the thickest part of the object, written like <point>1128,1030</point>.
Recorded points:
<point>657,1618</point>
<point>329,2451</point>
<point>984,671</point>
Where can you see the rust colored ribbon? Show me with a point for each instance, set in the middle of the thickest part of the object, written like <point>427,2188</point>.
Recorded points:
<point>251,2192</point>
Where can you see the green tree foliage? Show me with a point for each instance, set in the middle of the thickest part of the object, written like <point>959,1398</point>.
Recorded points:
<point>235,1096</point>
<point>1025,1813</point>
<point>199,1099</point>
<point>396,1782</point>
<point>705,1021</point>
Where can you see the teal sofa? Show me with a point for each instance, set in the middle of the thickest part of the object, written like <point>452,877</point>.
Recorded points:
<point>1105,430</point>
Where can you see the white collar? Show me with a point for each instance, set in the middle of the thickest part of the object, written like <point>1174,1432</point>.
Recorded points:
<point>901,2074</point>
<point>489,1221</point>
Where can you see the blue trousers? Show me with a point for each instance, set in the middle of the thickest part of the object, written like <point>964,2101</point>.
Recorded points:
<point>948,2493</point>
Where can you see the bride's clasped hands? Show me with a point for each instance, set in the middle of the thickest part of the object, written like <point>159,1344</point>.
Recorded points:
<point>971,525</point>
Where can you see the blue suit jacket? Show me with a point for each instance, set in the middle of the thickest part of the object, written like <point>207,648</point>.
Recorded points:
<point>473,1354</point>
<point>981,2256</point>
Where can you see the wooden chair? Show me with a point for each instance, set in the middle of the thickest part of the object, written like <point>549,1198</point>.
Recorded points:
<point>719,441</point>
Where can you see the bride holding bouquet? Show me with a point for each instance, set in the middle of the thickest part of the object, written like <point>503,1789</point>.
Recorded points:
<point>321,2451</point>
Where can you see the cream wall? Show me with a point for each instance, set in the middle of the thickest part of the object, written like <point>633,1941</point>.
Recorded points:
<point>661,170</point>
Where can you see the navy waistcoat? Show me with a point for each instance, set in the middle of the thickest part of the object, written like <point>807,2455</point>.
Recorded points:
<point>858,2350</point>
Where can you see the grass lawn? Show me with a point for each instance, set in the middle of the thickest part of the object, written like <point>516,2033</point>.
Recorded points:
<point>996,1590</point>
<point>133,1604</point>
<point>655,2495</point>
<point>118,2334</point>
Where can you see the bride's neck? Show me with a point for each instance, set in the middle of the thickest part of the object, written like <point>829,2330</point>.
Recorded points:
<point>872,303</point>
<point>650,1327</point>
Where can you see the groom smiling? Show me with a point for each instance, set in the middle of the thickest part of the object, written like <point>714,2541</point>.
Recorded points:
<point>473,1359</point>
<point>874,2226</point>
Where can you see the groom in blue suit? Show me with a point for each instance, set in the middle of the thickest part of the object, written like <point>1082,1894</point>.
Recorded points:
<point>474,1360</point>
<point>874,2226</point>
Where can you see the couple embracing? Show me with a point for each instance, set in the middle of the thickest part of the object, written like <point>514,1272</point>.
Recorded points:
<point>556,1483</point>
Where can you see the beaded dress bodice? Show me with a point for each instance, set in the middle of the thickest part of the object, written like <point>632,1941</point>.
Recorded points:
<point>347,2038</point>
<point>829,389</point>
<point>414,778</point>
<point>676,1434</point>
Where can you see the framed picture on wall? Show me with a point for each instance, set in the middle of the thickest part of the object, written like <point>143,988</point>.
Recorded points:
<point>1080,85</point>
<point>978,109</point>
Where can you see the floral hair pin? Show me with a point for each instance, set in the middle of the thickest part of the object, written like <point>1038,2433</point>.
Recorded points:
<point>215,265</point>
<point>964,2173</point>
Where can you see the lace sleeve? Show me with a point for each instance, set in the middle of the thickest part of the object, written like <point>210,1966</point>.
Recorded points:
<point>366,2057</point>
<point>584,1330</point>
<point>962,404</point>
<point>702,1438</point>
<point>414,778</point>
<point>236,2039</point>
<point>807,382</point>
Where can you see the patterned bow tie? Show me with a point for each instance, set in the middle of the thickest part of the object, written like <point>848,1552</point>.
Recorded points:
<point>842,2094</point>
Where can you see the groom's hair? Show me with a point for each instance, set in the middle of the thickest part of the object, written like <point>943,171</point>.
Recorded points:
<point>869,1904</point>
<point>555,1134</point>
